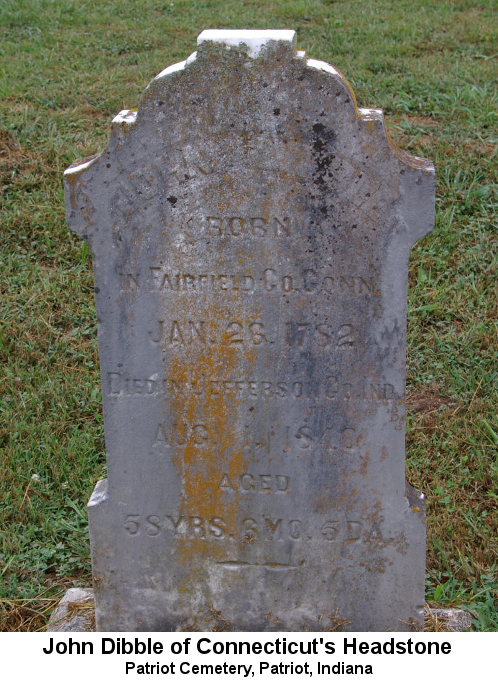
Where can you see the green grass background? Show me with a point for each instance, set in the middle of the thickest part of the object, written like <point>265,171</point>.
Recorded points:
<point>66,69</point>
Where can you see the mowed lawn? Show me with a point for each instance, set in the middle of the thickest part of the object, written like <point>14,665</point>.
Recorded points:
<point>66,69</point>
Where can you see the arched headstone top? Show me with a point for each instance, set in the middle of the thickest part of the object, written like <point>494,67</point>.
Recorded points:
<point>256,83</point>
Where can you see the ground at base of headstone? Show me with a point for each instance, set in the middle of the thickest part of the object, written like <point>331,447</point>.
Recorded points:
<point>446,620</point>
<point>76,613</point>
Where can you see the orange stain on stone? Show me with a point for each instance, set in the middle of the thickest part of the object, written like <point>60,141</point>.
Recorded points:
<point>220,447</point>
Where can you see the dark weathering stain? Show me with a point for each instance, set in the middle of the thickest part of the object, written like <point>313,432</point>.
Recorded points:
<point>323,145</point>
<point>172,200</point>
<point>324,142</point>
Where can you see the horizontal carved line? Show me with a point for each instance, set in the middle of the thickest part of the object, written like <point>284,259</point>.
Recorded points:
<point>246,564</point>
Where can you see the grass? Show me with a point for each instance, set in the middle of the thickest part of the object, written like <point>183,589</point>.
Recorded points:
<point>66,69</point>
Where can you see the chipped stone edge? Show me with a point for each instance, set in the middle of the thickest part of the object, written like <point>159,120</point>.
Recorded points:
<point>179,66</point>
<point>99,493</point>
<point>126,116</point>
<point>416,500</point>
<point>79,166</point>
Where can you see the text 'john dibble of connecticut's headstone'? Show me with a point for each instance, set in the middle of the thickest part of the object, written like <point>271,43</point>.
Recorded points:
<point>250,230</point>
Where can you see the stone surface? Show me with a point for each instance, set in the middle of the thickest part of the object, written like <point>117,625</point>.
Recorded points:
<point>250,230</point>
<point>74,613</point>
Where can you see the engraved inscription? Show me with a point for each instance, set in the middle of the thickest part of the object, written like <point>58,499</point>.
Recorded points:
<point>327,438</point>
<point>238,226</point>
<point>325,335</point>
<point>332,388</point>
<point>179,333</point>
<point>164,281</point>
<point>246,333</point>
<point>264,483</point>
<point>181,434</point>
<point>250,529</point>
<point>270,281</point>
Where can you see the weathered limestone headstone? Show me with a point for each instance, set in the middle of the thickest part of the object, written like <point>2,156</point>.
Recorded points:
<point>250,230</point>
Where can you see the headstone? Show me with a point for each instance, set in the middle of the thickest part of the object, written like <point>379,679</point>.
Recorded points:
<point>250,230</point>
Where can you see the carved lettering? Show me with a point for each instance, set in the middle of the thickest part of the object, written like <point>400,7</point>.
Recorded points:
<point>271,281</point>
<point>179,435</point>
<point>301,334</point>
<point>263,483</point>
<point>327,438</point>
<point>249,530</point>
<point>183,333</point>
<point>331,388</point>
<point>236,226</point>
